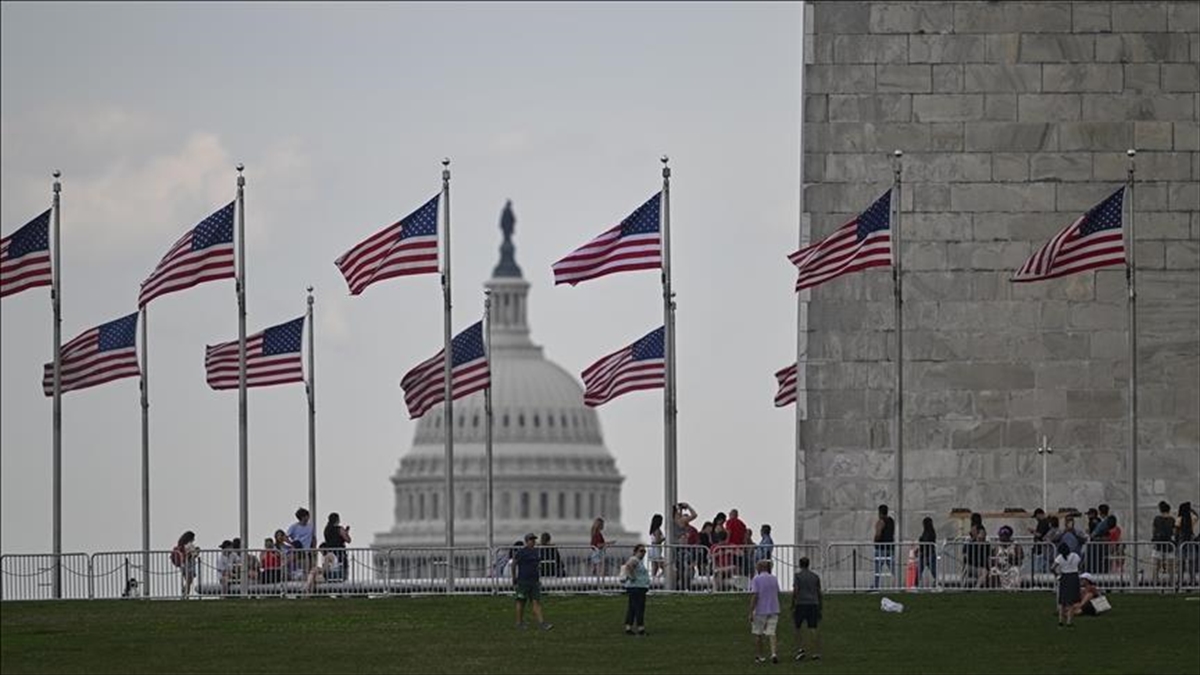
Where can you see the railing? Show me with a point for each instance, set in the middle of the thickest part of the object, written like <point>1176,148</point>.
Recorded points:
<point>843,566</point>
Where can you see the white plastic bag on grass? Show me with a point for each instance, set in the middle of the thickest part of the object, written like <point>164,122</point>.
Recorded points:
<point>889,605</point>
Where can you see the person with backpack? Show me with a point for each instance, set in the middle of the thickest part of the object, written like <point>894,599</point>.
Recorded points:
<point>183,557</point>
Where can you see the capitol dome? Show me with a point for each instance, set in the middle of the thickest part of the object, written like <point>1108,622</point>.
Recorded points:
<point>551,470</point>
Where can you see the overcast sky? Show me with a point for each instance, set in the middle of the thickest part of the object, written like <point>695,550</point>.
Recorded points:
<point>341,114</point>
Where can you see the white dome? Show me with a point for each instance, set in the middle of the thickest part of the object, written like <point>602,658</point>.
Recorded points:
<point>552,472</point>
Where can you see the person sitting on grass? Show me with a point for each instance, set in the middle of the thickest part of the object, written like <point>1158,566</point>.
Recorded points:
<point>806,609</point>
<point>527,580</point>
<point>1092,601</point>
<point>764,610</point>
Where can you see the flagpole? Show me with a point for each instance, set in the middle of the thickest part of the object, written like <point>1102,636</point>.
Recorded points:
<point>800,489</point>
<point>145,387</point>
<point>1131,278</point>
<point>487,414</point>
<point>447,359</point>
<point>243,453</point>
<point>671,469</point>
<point>56,303</point>
<point>897,276</point>
<point>311,390</point>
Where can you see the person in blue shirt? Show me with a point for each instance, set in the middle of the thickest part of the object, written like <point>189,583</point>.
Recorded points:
<point>527,580</point>
<point>766,545</point>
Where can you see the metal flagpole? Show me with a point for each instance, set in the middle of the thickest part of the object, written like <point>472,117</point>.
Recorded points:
<point>145,387</point>
<point>487,414</point>
<point>448,358</point>
<point>311,390</point>
<point>1045,451</point>
<point>56,303</point>
<point>243,456</point>
<point>671,469</point>
<point>897,276</point>
<point>1131,278</point>
<point>800,490</point>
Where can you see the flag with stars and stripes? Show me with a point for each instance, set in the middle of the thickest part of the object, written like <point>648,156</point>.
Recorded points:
<point>641,365</point>
<point>407,247</point>
<point>102,354</point>
<point>1095,239</point>
<point>859,244</point>
<point>787,386</point>
<point>272,357</point>
<point>634,244</point>
<point>424,385</point>
<point>25,257</point>
<point>204,253</point>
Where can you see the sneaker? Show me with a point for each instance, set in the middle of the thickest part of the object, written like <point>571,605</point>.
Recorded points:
<point>629,631</point>
<point>546,625</point>
<point>799,655</point>
<point>816,657</point>
<point>760,659</point>
<point>774,658</point>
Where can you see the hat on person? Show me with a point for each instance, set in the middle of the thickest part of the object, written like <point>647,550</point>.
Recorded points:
<point>531,536</point>
<point>1088,576</point>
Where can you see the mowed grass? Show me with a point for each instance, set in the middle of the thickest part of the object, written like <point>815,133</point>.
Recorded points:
<point>945,633</point>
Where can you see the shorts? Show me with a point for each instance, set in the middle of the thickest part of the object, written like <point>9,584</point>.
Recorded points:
<point>806,614</point>
<point>764,624</point>
<point>529,590</point>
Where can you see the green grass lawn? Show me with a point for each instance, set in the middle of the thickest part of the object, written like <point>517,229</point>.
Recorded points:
<point>945,633</point>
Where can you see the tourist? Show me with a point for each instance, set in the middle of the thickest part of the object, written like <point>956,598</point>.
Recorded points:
<point>1162,532</point>
<point>657,541</point>
<point>807,603</point>
<point>1066,565</point>
<point>527,581</point>
<point>764,610</point>
<point>637,584</point>
<point>336,537</point>
<point>927,557</point>
<point>329,569</point>
<point>766,545</point>
<point>552,563</point>
<point>736,529</point>
<point>300,534</point>
<point>1041,550</point>
<point>184,557</point>
<point>1185,533</point>
<point>685,535</point>
<point>885,537</point>
<point>599,546</point>
<point>1092,601</point>
<point>1007,556</point>
<point>272,563</point>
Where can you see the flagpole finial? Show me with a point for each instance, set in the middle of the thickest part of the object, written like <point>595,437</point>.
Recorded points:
<point>666,172</point>
<point>445,161</point>
<point>57,185</point>
<point>57,173</point>
<point>897,153</point>
<point>241,180</point>
<point>1131,152</point>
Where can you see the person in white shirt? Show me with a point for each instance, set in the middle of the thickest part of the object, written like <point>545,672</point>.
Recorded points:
<point>1066,566</point>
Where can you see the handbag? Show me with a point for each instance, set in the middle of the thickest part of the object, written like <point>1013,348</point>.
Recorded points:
<point>1100,604</point>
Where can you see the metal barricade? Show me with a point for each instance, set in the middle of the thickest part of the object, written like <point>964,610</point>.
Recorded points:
<point>861,566</point>
<point>436,570</point>
<point>31,576</point>
<point>136,574</point>
<point>1188,565</point>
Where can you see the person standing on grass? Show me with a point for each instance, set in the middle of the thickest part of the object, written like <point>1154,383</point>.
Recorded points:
<point>637,584</point>
<point>806,609</point>
<point>1066,565</point>
<point>527,580</point>
<point>764,610</point>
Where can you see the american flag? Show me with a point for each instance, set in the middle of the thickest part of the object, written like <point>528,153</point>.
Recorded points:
<point>204,253</point>
<point>634,244</point>
<point>272,357</point>
<point>861,243</point>
<point>25,257</point>
<point>424,385</point>
<point>641,365</point>
<point>787,386</point>
<point>1094,240</point>
<point>407,247</point>
<point>102,354</point>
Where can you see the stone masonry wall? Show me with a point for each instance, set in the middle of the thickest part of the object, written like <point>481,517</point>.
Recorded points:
<point>1014,119</point>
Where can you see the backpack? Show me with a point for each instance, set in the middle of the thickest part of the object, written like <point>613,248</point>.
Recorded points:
<point>177,556</point>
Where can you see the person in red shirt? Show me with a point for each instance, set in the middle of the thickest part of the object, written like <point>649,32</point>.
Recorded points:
<point>272,563</point>
<point>736,529</point>
<point>598,546</point>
